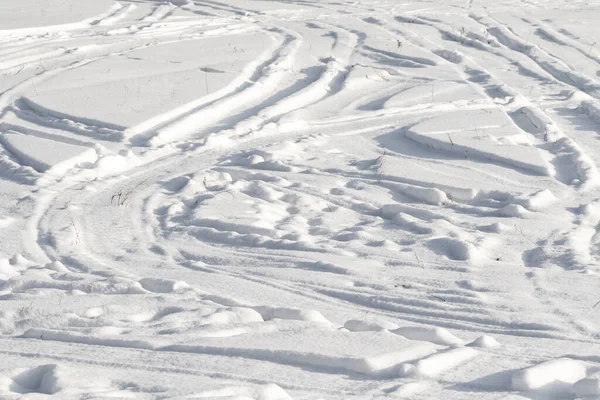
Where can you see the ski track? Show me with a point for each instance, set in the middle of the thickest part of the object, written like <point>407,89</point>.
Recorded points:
<point>298,199</point>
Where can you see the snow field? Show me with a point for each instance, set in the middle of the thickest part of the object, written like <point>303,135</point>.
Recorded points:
<point>298,200</point>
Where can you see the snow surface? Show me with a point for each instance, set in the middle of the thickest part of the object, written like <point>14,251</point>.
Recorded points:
<point>299,199</point>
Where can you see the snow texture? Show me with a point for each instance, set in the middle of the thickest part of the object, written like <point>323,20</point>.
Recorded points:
<point>292,199</point>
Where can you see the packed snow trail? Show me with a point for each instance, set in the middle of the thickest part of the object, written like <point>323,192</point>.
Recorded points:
<point>299,200</point>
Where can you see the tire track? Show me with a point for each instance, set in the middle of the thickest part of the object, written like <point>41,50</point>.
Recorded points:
<point>536,123</point>
<point>557,68</point>
<point>188,119</point>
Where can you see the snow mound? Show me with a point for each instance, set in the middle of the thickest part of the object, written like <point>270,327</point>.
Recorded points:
<point>485,341</point>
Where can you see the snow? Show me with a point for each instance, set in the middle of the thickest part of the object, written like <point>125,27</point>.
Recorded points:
<point>270,200</point>
<point>587,388</point>
<point>443,361</point>
<point>485,341</point>
<point>434,335</point>
<point>44,155</point>
<point>562,369</point>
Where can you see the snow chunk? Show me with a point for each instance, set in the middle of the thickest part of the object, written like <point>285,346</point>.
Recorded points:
<point>47,380</point>
<point>269,313</point>
<point>6,222</point>
<point>540,200</point>
<point>454,249</point>
<point>512,210</point>
<point>41,379</point>
<point>254,159</point>
<point>116,163</point>
<point>454,56</point>
<point>264,392</point>
<point>57,266</point>
<point>19,260</point>
<point>379,364</point>
<point>409,389</point>
<point>232,316</point>
<point>428,334</point>
<point>163,285</point>
<point>496,227</point>
<point>46,155</point>
<point>367,326</point>
<point>213,179</point>
<point>454,132</point>
<point>561,369</point>
<point>93,312</point>
<point>441,362</point>
<point>427,195</point>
